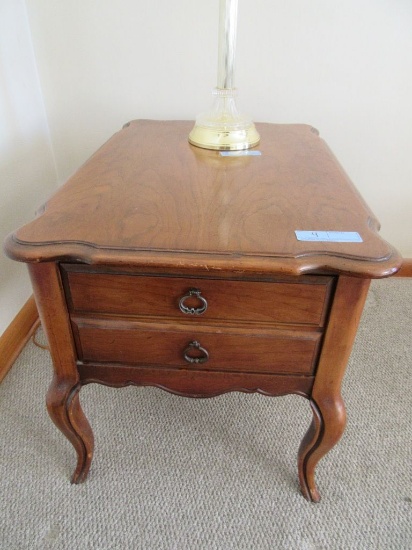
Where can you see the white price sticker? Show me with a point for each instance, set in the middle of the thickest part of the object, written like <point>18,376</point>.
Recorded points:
<point>329,236</point>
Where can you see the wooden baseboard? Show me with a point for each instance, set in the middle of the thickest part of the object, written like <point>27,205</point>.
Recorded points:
<point>16,335</point>
<point>406,269</point>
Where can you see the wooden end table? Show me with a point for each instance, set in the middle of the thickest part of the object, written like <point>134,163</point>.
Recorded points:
<point>162,264</point>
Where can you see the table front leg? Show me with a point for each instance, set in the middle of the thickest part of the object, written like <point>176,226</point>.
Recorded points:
<point>329,414</point>
<point>64,408</point>
<point>63,396</point>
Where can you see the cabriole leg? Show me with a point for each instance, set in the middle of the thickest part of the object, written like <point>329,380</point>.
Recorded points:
<point>327,427</point>
<point>64,409</point>
<point>329,415</point>
<point>63,395</point>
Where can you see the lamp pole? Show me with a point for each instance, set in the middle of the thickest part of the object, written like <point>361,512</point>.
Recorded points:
<point>227,43</point>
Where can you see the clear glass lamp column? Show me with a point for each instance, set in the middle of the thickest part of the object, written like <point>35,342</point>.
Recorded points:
<point>224,128</point>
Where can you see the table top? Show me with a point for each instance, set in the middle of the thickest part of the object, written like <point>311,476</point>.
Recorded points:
<point>147,198</point>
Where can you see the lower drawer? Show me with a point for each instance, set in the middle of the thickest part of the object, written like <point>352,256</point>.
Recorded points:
<point>145,344</point>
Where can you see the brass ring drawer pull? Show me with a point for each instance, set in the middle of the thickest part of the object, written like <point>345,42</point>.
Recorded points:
<point>193,310</point>
<point>195,359</point>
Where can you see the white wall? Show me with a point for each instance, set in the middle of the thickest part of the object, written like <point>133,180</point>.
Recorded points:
<point>103,63</point>
<point>27,172</point>
<point>345,67</point>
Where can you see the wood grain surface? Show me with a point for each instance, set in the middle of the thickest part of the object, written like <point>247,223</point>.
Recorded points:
<point>162,344</point>
<point>147,197</point>
<point>299,301</point>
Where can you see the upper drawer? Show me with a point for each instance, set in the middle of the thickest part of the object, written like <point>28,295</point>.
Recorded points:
<point>302,302</point>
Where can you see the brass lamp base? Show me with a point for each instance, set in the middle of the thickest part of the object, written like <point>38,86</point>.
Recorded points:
<point>223,128</point>
<point>223,139</point>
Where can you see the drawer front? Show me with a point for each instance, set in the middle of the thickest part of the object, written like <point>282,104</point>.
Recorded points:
<point>301,302</point>
<point>171,346</point>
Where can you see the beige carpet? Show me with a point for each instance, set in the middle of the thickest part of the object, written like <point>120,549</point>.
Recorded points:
<point>173,473</point>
